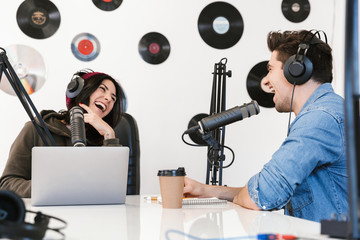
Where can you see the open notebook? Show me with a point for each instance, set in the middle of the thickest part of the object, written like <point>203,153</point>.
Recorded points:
<point>79,175</point>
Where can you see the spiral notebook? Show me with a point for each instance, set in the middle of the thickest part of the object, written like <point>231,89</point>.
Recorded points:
<point>203,201</point>
<point>192,201</point>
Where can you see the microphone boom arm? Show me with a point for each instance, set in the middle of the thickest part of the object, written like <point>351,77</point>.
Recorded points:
<point>23,96</point>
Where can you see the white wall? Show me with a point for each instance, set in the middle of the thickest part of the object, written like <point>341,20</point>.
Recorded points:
<point>163,98</point>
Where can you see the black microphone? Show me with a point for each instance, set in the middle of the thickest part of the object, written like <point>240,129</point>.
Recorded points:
<point>78,135</point>
<point>226,117</point>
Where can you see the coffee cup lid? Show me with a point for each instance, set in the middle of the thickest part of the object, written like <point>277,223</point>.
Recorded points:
<point>172,172</point>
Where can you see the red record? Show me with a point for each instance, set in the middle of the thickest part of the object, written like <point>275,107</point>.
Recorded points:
<point>85,47</point>
<point>154,48</point>
<point>107,5</point>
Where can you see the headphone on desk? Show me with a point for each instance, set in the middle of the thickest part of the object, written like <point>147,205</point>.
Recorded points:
<point>12,215</point>
<point>298,68</point>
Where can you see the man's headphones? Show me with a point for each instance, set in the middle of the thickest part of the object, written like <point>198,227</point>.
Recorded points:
<point>298,68</point>
<point>12,215</point>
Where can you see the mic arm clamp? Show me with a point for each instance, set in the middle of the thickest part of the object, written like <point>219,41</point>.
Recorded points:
<point>8,70</point>
<point>207,137</point>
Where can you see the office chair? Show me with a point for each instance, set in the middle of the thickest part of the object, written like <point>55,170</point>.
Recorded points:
<point>128,134</point>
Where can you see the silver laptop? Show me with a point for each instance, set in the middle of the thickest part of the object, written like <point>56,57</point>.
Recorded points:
<point>79,175</point>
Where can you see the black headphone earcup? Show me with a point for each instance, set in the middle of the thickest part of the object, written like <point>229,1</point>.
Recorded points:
<point>74,87</point>
<point>298,72</point>
<point>12,223</point>
<point>13,206</point>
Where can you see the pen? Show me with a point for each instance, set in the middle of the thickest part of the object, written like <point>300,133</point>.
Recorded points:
<point>151,198</point>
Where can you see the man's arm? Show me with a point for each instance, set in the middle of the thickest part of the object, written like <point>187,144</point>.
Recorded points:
<point>243,199</point>
<point>239,196</point>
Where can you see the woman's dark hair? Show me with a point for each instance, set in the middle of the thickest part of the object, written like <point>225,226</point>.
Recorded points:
<point>319,53</point>
<point>91,84</point>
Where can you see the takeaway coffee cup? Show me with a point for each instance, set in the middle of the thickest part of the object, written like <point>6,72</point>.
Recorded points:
<point>171,187</point>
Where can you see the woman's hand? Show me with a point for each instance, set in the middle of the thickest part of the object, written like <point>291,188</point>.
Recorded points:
<point>98,123</point>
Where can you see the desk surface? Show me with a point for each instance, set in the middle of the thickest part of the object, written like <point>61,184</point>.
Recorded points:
<point>142,219</point>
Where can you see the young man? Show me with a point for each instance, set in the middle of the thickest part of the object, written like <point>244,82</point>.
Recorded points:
<point>307,175</point>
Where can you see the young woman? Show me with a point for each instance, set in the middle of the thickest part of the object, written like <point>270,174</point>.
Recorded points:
<point>101,98</point>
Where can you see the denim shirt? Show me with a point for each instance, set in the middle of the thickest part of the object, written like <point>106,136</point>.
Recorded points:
<point>307,175</point>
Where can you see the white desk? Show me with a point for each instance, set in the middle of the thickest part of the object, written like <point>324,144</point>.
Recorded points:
<point>141,219</point>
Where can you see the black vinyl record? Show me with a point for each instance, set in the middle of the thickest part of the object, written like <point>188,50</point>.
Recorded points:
<point>256,88</point>
<point>154,48</point>
<point>295,10</point>
<point>196,136</point>
<point>220,25</point>
<point>107,5</point>
<point>38,18</point>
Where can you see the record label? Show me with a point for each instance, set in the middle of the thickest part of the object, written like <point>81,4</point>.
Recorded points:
<point>38,19</point>
<point>295,10</point>
<point>85,47</point>
<point>107,5</point>
<point>154,48</point>
<point>28,65</point>
<point>256,87</point>
<point>220,25</point>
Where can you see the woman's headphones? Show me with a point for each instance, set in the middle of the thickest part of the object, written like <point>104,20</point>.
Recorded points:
<point>298,68</point>
<point>77,83</point>
<point>12,215</point>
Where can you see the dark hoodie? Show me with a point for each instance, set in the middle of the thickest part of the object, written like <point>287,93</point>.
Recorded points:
<point>17,173</point>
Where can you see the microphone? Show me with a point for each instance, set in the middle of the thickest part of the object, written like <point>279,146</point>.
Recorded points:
<point>226,117</point>
<point>78,135</point>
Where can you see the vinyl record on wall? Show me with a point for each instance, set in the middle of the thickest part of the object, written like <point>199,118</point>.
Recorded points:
<point>38,19</point>
<point>28,65</point>
<point>256,88</point>
<point>196,136</point>
<point>154,48</point>
<point>295,10</point>
<point>85,47</point>
<point>220,25</point>
<point>107,5</point>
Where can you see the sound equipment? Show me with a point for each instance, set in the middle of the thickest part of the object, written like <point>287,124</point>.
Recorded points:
<point>75,85</point>
<point>78,133</point>
<point>226,117</point>
<point>12,215</point>
<point>298,68</point>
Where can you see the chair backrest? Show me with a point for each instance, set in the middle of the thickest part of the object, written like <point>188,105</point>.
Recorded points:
<point>128,134</point>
